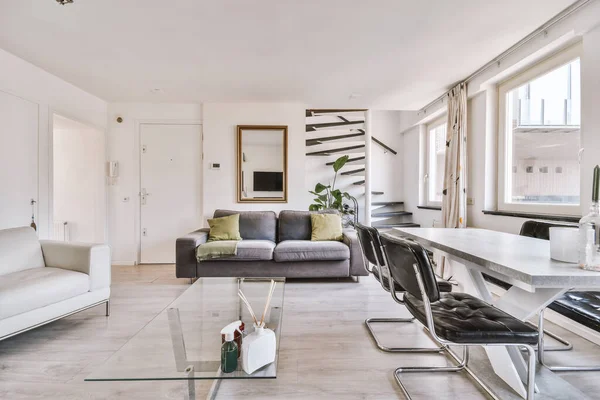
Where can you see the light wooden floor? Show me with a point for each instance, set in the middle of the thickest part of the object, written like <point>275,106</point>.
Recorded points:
<point>325,353</point>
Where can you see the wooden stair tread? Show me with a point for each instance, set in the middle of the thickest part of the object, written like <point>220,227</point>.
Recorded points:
<point>354,171</point>
<point>349,160</point>
<point>390,214</point>
<point>397,225</point>
<point>333,151</point>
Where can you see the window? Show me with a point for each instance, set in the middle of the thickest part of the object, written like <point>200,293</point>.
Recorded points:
<point>539,128</point>
<point>436,157</point>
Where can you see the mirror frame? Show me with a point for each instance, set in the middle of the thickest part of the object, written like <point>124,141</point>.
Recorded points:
<point>283,128</point>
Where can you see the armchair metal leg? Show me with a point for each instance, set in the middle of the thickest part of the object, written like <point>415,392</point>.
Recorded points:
<point>456,368</point>
<point>463,366</point>
<point>108,307</point>
<point>566,344</point>
<point>542,350</point>
<point>370,321</point>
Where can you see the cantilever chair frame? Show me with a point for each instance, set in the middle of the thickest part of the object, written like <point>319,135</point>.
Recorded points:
<point>381,269</point>
<point>462,363</point>
<point>541,351</point>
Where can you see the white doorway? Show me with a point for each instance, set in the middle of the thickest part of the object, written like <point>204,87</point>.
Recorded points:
<point>170,188</point>
<point>78,182</point>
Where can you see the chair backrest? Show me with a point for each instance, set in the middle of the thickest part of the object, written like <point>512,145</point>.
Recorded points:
<point>401,254</point>
<point>296,225</point>
<point>540,230</point>
<point>370,243</point>
<point>20,249</point>
<point>254,225</point>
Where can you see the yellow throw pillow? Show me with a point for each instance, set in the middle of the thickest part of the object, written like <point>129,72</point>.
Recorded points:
<point>224,228</point>
<point>326,227</point>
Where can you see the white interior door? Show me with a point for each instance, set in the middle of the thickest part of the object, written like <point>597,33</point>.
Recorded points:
<point>171,188</point>
<point>18,160</point>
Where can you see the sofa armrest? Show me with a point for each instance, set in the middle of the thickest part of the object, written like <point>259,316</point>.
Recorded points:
<point>91,259</point>
<point>185,252</point>
<point>357,262</point>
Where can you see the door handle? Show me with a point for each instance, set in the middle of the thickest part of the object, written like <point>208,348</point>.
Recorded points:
<point>143,195</point>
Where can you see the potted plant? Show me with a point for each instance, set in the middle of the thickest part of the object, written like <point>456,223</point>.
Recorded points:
<point>330,198</point>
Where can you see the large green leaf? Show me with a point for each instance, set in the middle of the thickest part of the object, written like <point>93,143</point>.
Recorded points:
<point>314,207</point>
<point>337,194</point>
<point>320,187</point>
<point>340,162</point>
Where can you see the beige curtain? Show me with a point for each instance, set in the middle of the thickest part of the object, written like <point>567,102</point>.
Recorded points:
<point>454,199</point>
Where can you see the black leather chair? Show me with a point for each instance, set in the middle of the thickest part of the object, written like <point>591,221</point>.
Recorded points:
<point>453,318</point>
<point>374,259</point>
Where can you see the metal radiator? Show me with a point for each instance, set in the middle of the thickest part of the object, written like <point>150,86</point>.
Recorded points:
<point>61,231</point>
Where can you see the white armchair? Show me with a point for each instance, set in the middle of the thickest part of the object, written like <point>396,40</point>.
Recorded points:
<point>42,281</point>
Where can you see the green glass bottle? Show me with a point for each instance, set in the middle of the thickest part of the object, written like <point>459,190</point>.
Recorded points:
<point>229,354</point>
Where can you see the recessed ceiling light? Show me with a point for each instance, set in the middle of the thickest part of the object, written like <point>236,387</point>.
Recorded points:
<point>157,91</point>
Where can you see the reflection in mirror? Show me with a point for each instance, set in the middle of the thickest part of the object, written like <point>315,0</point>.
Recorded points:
<point>262,163</point>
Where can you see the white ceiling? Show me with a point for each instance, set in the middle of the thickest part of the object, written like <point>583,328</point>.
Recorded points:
<point>397,54</point>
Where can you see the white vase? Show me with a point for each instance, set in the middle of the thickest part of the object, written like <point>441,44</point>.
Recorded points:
<point>258,349</point>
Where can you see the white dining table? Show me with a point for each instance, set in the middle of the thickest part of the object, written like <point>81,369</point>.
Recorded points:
<point>524,262</point>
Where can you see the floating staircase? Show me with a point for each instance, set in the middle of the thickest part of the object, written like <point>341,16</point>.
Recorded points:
<point>336,132</point>
<point>391,214</point>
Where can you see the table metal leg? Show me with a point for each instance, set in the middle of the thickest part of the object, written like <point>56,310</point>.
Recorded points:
<point>183,364</point>
<point>190,392</point>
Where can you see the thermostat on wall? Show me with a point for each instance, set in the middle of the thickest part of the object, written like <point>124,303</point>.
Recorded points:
<point>215,165</point>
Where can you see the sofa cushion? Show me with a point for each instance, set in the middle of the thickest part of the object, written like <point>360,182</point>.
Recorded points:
<point>19,250</point>
<point>252,250</point>
<point>326,227</point>
<point>34,288</point>
<point>254,225</point>
<point>306,250</point>
<point>224,228</point>
<point>296,225</point>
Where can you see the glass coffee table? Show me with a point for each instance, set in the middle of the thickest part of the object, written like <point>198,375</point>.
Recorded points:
<point>183,342</point>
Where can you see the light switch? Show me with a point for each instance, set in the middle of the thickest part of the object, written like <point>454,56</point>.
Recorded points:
<point>470,201</point>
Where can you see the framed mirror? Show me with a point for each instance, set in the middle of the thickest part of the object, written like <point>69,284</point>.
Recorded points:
<point>262,163</point>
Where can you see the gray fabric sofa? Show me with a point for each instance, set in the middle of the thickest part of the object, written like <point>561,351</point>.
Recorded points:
<point>273,246</point>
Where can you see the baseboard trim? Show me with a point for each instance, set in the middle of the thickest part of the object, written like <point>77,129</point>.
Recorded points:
<point>560,320</point>
<point>124,263</point>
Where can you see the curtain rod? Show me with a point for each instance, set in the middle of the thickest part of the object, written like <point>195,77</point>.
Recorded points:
<point>541,30</point>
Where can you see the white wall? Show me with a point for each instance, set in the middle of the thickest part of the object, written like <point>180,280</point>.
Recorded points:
<point>79,194</point>
<point>386,167</point>
<point>22,79</point>
<point>220,122</point>
<point>123,146</point>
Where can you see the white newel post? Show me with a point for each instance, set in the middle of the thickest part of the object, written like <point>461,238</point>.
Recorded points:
<point>368,189</point>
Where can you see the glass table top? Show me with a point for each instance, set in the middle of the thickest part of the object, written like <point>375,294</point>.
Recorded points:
<point>183,342</point>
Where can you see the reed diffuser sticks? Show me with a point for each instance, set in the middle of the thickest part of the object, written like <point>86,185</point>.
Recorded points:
<point>267,304</point>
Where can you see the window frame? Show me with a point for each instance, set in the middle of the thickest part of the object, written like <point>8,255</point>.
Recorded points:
<point>429,127</point>
<point>554,62</point>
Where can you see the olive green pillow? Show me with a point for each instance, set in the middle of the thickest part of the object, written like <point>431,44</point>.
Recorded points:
<point>224,228</point>
<point>326,227</point>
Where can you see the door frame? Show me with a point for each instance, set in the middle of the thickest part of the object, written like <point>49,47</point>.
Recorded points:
<point>138,175</point>
<point>51,113</point>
